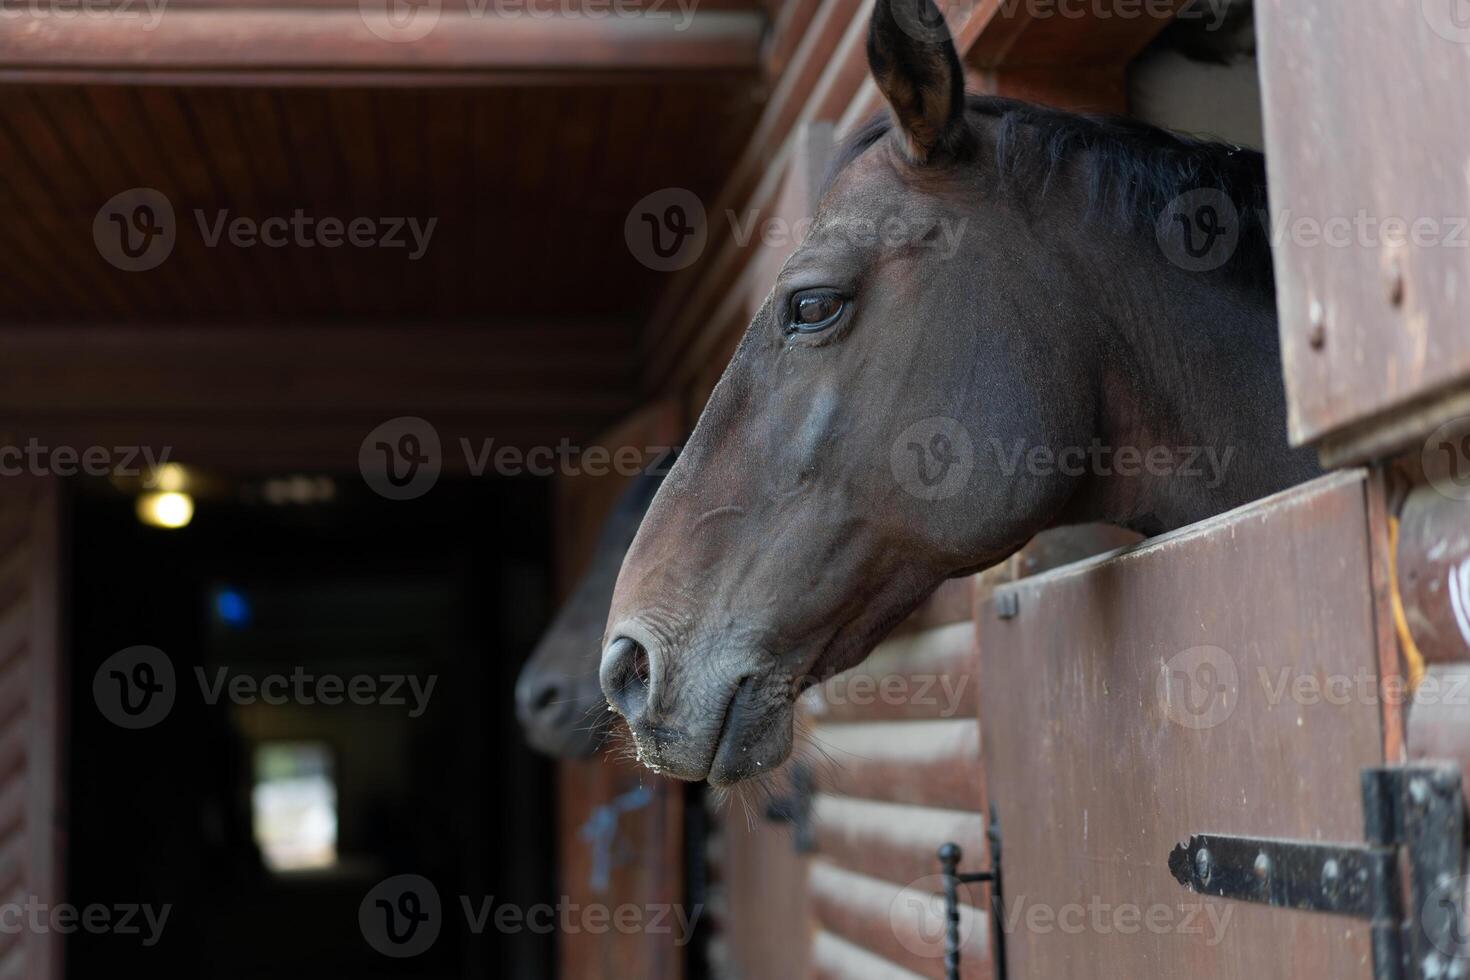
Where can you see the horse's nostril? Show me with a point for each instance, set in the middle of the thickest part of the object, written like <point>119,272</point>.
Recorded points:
<point>626,676</point>
<point>546,697</point>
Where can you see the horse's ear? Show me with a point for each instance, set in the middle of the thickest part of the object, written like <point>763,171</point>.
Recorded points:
<point>914,62</point>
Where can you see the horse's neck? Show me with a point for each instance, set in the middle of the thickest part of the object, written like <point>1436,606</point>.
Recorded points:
<point>1190,373</point>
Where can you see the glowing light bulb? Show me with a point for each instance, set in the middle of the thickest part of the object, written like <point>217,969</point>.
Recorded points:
<point>167,509</point>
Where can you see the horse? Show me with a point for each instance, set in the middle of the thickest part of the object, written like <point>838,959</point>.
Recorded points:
<point>912,404</point>
<point>559,701</point>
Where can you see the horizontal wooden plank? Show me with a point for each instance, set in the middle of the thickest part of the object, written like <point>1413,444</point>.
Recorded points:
<point>362,39</point>
<point>256,442</point>
<point>893,842</point>
<point>1010,34</point>
<point>924,763</point>
<point>67,370</point>
<point>834,958</point>
<point>902,925</point>
<point>928,675</point>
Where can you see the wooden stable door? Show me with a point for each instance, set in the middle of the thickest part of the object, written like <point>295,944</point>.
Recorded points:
<point>1222,679</point>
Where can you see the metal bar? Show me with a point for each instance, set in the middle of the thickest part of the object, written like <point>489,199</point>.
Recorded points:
<point>1332,878</point>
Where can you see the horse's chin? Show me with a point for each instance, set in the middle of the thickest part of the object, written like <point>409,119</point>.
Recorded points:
<point>751,740</point>
<point>757,750</point>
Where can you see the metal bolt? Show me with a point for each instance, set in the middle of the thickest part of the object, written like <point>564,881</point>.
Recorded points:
<point>1331,877</point>
<point>1204,866</point>
<point>1263,866</point>
<point>1007,605</point>
<point>1317,318</point>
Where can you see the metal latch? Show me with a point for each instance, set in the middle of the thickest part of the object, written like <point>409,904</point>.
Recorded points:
<point>1414,821</point>
<point>950,855</point>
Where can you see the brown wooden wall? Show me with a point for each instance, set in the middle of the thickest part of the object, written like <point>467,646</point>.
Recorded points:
<point>645,851</point>
<point>30,704</point>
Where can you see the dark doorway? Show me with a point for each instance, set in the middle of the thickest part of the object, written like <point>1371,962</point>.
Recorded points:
<point>341,714</point>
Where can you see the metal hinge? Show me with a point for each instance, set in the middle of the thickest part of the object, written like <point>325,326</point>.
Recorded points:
<point>1414,821</point>
<point>950,856</point>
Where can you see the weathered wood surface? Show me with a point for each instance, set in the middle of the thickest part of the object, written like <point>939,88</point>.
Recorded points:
<point>1207,681</point>
<point>1373,316</point>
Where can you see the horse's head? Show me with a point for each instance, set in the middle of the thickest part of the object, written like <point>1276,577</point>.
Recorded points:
<point>559,702</point>
<point>874,431</point>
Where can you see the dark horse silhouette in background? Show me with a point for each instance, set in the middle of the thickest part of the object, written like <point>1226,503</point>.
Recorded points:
<point>994,315</point>
<point>559,701</point>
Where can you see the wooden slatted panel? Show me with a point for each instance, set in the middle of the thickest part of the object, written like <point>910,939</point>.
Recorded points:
<point>29,847</point>
<point>895,751</point>
<point>892,841</point>
<point>927,675</point>
<point>922,763</point>
<point>834,958</point>
<point>902,924</point>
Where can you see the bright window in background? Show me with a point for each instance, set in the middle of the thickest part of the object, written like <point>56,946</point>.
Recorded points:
<point>294,805</point>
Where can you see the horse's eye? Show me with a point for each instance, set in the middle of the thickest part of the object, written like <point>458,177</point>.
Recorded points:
<point>814,310</point>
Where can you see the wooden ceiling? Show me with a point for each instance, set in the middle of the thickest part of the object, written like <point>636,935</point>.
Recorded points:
<point>528,188</point>
<point>525,140</point>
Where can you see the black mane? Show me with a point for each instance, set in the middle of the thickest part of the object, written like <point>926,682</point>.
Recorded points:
<point>1132,170</point>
